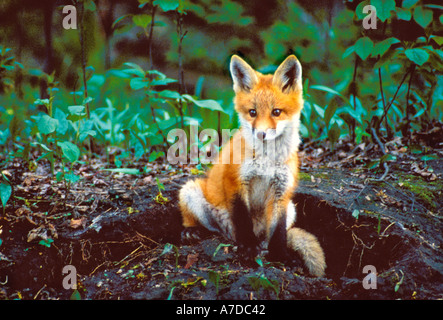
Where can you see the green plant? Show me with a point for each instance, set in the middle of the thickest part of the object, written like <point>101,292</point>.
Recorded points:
<point>168,248</point>
<point>214,277</point>
<point>5,191</point>
<point>53,127</point>
<point>261,281</point>
<point>7,65</point>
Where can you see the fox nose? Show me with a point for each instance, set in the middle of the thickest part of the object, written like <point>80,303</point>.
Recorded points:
<point>261,135</point>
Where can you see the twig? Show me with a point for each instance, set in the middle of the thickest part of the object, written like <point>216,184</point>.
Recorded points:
<point>407,103</point>
<point>354,93</point>
<point>181,80</point>
<point>165,140</point>
<point>151,31</point>
<point>393,99</point>
<point>382,147</point>
<point>38,292</point>
<point>380,82</point>
<point>134,251</point>
<point>83,63</point>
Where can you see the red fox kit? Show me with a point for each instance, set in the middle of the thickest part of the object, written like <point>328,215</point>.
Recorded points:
<point>249,201</point>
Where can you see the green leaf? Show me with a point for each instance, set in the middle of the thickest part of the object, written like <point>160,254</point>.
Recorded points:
<point>207,104</point>
<point>44,102</point>
<point>437,39</point>
<point>162,81</point>
<point>214,277</point>
<point>330,111</point>
<point>359,9</point>
<point>409,3</point>
<point>168,94</point>
<point>76,110</point>
<point>404,14</point>
<point>138,83</point>
<point>348,52</point>
<point>419,113</point>
<point>326,89</point>
<point>124,170</point>
<point>70,150</point>
<point>388,157</point>
<point>46,243</point>
<point>142,20</point>
<point>221,245</point>
<point>429,157</point>
<point>383,46</point>
<point>261,281</point>
<point>384,8</point>
<point>5,193</point>
<point>334,133</point>
<point>135,69</point>
<point>72,178</point>
<point>422,16</point>
<point>76,113</point>
<point>90,5</point>
<point>75,295</point>
<point>373,164</point>
<point>364,47</point>
<point>46,124</point>
<point>168,248</point>
<point>155,155</point>
<point>417,55</point>
<point>416,149</point>
<point>356,213</point>
<point>119,19</point>
<point>62,122</point>
<point>167,5</point>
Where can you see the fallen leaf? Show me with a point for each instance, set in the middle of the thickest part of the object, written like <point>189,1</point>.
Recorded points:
<point>190,260</point>
<point>38,233</point>
<point>77,223</point>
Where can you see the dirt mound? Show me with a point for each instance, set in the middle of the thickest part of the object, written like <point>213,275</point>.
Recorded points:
<point>135,253</point>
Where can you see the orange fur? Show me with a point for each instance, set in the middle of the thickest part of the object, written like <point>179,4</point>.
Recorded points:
<point>267,184</point>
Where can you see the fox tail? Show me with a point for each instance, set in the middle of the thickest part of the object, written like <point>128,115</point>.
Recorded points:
<point>307,245</point>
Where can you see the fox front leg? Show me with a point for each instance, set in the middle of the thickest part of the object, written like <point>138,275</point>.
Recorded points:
<point>282,181</point>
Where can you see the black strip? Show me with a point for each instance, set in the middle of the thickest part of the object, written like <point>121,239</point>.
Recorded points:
<point>244,233</point>
<point>278,247</point>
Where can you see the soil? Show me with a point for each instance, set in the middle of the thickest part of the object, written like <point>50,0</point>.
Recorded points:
<point>123,239</point>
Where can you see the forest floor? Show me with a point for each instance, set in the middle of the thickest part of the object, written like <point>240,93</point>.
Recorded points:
<point>121,232</point>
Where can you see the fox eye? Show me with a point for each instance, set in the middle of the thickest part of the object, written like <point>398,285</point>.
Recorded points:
<point>276,112</point>
<point>253,113</point>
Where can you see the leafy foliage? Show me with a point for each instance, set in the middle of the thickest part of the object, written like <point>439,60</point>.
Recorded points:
<point>169,69</point>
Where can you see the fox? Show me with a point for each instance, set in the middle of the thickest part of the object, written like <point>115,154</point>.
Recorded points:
<point>248,199</point>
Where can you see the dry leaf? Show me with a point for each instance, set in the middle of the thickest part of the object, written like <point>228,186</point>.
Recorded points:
<point>38,233</point>
<point>77,223</point>
<point>190,260</point>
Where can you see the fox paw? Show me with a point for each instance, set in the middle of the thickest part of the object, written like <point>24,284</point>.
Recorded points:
<point>279,256</point>
<point>248,252</point>
<point>192,234</point>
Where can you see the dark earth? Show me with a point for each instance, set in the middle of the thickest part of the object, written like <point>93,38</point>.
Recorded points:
<point>121,232</point>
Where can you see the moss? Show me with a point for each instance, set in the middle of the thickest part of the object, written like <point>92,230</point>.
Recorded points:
<point>306,176</point>
<point>303,176</point>
<point>424,190</point>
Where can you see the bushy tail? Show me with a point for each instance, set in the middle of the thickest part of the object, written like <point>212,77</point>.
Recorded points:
<point>309,248</point>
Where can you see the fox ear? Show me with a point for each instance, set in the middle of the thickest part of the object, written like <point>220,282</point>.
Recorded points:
<point>243,75</point>
<point>287,77</point>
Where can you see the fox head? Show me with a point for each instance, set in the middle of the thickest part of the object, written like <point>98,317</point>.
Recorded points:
<point>268,106</point>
